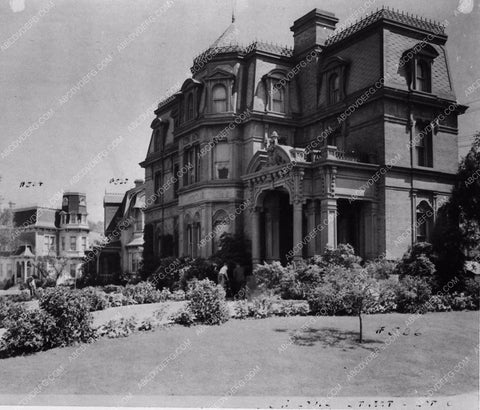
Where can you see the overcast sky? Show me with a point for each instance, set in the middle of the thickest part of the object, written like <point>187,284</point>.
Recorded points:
<point>65,40</point>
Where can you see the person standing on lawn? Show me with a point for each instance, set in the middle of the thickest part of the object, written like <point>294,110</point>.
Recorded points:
<point>223,276</point>
<point>32,286</point>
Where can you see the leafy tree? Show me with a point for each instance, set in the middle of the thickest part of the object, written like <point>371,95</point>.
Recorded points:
<point>345,291</point>
<point>8,241</point>
<point>51,265</point>
<point>457,232</point>
<point>417,261</point>
<point>233,249</point>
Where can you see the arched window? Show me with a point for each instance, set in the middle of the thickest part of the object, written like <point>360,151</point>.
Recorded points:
<point>219,97</point>
<point>422,76</point>
<point>334,89</point>
<point>190,108</point>
<point>424,222</point>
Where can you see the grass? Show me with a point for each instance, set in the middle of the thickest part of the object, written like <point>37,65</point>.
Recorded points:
<point>318,353</point>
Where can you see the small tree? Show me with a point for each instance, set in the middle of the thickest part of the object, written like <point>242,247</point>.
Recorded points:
<point>357,291</point>
<point>348,291</point>
<point>50,265</point>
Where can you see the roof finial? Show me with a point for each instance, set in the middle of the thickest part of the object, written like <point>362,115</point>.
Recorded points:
<point>233,11</point>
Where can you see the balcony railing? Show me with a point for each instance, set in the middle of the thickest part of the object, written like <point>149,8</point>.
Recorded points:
<point>331,152</point>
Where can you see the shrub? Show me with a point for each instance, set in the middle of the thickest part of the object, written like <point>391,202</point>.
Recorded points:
<point>71,312</point>
<point>179,295</point>
<point>460,301</point>
<point>118,328</point>
<point>387,297</point>
<point>97,299</point>
<point>240,309</point>
<point>342,255</point>
<point>119,299</point>
<point>261,307</point>
<point>291,308</point>
<point>380,268</point>
<point>206,301</point>
<point>199,269</point>
<point>143,292</point>
<point>268,276</point>
<point>183,317</point>
<point>20,297</point>
<point>113,289</point>
<point>472,288</point>
<point>412,294</point>
<point>29,331</point>
<point>290,286</point>
<point>324,300</point>
<point>149,323</point>
<point>417,261</point>
<point>167,274</point>
<point>49,282</point>
<point>4,307</point>
<point>438,303</point>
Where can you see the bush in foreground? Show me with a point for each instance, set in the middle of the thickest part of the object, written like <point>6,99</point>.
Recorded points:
<point>28,331</point>
<point>206,301</point>
<point>71,312</point>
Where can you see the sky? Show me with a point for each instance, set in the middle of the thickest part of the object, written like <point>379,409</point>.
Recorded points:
<point>77,96</point>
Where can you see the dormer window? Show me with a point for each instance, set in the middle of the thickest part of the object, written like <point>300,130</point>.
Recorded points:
<point>219,97</point>
<point>422,76</point>
<point>334,89</point>
<point>278,100</point>
<point>418,62</point>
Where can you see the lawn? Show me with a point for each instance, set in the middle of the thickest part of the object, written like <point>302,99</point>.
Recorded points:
<point>212,360</point>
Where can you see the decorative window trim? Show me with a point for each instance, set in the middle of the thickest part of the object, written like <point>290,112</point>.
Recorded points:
<point>270,82</point>
<point>333,66</point>
<point>420,54</point>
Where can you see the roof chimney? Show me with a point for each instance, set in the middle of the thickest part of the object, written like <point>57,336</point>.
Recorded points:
<point>138,182</point>
<point>312,29</point>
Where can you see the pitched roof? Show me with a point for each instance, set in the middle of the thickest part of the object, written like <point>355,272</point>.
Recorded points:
<point>386,13</point>
<point>229,37</point>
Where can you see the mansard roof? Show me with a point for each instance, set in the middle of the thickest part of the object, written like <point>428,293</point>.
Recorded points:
<point>388,14</point>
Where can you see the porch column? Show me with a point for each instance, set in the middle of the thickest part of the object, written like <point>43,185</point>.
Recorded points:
<point>297,230</point>
<point>310,228</point>
<point>370,235</point>
<point>255,236</point>
<point>181,234</point>
<point>328,222</point>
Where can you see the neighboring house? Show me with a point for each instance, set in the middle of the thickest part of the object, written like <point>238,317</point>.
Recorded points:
<point>61,234</point>
<point>122,248</point>
<point>347,137</point>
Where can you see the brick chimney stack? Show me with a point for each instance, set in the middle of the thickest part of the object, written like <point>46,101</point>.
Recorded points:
<point>312,29</point>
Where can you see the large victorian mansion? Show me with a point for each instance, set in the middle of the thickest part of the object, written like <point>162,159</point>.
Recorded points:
<point>349,137</point>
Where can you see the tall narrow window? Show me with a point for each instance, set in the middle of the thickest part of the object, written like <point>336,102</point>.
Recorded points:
<point>278,99</point>
<point>423,144</point>
<point>219,97</point>
<point>73,243</point>
<point>191,161</point>
<point>158,185</point>
<point>84,243</point>
<point>190,107</point>
<point>176,176</point>
<point>63,243</point>
<point>422,74</point>
<point>334,89</point>
<point>424,221</point>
